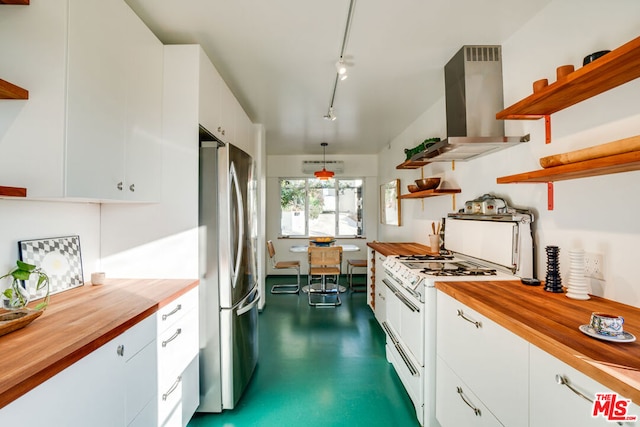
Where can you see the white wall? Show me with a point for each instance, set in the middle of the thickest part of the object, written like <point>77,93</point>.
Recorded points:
<point>361,166</point>
<point>597,213</point>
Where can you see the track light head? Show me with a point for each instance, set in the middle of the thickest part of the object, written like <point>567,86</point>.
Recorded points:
<point>330,115</point>
<point>341,67</point>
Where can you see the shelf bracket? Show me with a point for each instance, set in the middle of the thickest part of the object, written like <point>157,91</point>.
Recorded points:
<point>453,202</point>
<point>550,196</point>
<point>547,128</point>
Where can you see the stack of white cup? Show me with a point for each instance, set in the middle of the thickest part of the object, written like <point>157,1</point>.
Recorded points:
<point>577,287</point>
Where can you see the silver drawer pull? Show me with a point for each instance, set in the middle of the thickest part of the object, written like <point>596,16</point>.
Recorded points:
<point>562,380</point>
<point>120,350</point>
<point>172,312</point>
<point>464,316</point>
<point>173,387</point>
<point>172,337</point>
<point>464,399</point>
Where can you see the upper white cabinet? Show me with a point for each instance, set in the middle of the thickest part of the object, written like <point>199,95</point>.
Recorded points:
<point>91,128</point>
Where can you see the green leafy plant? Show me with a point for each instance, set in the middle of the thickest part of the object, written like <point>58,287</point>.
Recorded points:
<point>23,271</point>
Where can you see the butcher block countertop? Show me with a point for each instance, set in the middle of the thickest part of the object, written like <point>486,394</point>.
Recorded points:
<point>75,323</point>
<point>550,321</point>
<point>390,248</point>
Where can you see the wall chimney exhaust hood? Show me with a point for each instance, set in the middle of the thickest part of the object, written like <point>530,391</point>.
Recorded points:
<point>473,96</point>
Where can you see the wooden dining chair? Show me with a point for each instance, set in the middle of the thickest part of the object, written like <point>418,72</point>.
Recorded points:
<point>283,288</point>
<point>324,262</point>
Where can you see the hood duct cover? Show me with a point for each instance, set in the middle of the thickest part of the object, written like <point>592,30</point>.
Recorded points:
<point>473,96</point>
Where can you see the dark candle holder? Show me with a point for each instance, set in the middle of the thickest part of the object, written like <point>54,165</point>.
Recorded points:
<point>553,282</point>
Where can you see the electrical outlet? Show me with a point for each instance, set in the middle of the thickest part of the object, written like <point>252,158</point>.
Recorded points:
<point>593,265</point>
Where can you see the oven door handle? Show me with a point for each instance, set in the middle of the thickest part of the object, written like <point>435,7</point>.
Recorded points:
<point>401,297</point>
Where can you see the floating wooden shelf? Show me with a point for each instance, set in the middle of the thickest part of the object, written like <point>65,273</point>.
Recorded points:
<point>613,69</point>
<point>22,2</point>
<point>409,164</point>
<point>602,166</point>
<point>430,193</point>
<point>11,91</point>
<point>13,191</point>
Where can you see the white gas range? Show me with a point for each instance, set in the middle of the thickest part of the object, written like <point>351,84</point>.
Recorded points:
<point>477,248</point>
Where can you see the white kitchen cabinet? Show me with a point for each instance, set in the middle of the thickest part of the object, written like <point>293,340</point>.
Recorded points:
<point>491,361</point>
<point>554,404</point>
<point>111,386</point>
<point>93,119</point>
<point>381,290</point>
<point>177,348</point>
<point>457,405</point>
<point>114,104</point>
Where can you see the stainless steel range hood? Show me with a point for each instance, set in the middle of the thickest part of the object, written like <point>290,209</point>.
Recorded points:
<point>473,95</point>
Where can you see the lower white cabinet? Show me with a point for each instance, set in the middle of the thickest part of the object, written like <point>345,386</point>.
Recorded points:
<point>381,293</point>
<point>556,404</point>
<point>112,386</point>
<point>491,361</point>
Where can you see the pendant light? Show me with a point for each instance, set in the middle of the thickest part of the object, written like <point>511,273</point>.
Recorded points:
<point>324,174</point>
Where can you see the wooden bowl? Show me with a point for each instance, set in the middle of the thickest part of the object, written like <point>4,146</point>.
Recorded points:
<point>413,188</point>
<point>427,183</point>
<point>563,71</point>
<point>538,85</point>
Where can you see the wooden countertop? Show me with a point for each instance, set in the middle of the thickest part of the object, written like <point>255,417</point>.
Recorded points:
<point>550,321</point>
<point>75,323</point>
<point>399,248</point>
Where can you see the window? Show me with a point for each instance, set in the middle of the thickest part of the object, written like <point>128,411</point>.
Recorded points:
<point>313,207</point>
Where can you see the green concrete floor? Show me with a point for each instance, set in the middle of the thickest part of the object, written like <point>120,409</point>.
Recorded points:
<point>319,367</point>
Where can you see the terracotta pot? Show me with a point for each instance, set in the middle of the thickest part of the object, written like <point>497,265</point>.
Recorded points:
<point>538,85</point>
<point>563,71</point>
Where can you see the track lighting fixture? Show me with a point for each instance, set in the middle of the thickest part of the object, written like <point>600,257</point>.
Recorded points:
<point>330,115</point>
<point>324,174</point>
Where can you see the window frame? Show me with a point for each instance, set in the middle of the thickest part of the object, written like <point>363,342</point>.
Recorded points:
<point>306,207</point>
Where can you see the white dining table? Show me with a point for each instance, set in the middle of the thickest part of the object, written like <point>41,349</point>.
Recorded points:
<point>305,248</point>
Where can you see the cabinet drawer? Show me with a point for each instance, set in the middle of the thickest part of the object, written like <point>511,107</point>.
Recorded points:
<point>173,311</point>
<point>456,405</point>
<point>491,360</point>
<point>179,397</point>
<point>137,337</point>
<point>177,346</point>
<point>554,404</point>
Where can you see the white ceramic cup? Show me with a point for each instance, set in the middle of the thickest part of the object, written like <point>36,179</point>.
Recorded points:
<point>607,324</point>
<point>434,243</point>
<point>97,278</point>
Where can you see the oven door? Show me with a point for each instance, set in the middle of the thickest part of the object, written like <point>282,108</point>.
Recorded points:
<point>405,316</point>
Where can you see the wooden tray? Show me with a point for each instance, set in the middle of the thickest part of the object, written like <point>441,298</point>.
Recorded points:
<point>13,320</point>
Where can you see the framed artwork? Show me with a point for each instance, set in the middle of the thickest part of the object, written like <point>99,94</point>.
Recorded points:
<point>390,203</point>
<point>59,257</point>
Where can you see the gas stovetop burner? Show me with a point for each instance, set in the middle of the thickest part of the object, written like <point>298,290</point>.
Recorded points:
<point>454,269</point>
<point>425,257</point>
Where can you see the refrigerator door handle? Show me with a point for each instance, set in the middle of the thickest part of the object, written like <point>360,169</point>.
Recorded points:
<point>248,307</point>
<point>235,186</point>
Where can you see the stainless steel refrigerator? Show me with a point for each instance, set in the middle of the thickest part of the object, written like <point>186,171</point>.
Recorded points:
<point>229,292</point>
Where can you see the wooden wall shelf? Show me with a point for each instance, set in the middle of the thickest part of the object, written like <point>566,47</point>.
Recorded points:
<point>13,191</point>
<point>611,70</point>
<point>602,166</point>
<point>22,2</point>
<point>11,91</point>
<point>430,193</point>
<point>415,164</point>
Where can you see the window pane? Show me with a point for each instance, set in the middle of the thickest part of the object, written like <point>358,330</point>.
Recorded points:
<point>293,201</point>
<point>322,207</point>
<point>350,207</point>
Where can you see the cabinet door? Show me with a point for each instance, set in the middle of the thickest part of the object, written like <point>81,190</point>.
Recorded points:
<point>491,360</point>
<point>209,95</point>
<point>554,404</point>
<point>96,93</point>
<point>371,275</point>
<point>143,149</point>
<point>381,290</point>
<point>228,108</point>
<point>456,405</point>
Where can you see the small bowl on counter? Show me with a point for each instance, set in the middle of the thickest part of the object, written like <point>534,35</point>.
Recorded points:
<point>427,183</point>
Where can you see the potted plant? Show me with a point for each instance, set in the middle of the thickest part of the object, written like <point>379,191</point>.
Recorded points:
<point>16,296</point>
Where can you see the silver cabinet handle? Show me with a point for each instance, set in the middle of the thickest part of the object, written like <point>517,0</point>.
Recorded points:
<point>172,388</point>
<point>563,380</point>
<point>120,186</point>
<point>464,399</point>
<point>172,337</point>
<point>172,312</point>
<point>132,188</point>
<point>468,319</point>
<point>120,350</point>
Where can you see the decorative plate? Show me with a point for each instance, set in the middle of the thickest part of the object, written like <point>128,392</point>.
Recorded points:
<point>624,337</point>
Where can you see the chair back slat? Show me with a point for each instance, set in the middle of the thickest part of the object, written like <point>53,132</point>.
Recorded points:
<point>325,256</point>
<point>271,249</point>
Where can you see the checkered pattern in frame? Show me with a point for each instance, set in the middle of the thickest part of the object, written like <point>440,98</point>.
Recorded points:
<point>35,251</point>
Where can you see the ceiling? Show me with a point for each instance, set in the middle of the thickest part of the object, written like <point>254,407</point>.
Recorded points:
<point>278,58</point>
